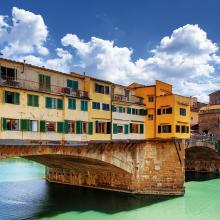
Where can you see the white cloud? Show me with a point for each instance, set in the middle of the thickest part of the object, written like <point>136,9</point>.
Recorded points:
<point>27,34</point>
<point>187,58</point>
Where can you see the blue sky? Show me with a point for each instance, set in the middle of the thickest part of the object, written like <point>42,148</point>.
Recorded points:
<point>123,40</point>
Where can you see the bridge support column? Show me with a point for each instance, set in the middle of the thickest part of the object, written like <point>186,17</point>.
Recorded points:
<point>155,167</point>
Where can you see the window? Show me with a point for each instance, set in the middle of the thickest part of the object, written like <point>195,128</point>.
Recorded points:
<point>105,107</point>
<point>103,127</point>
<point>73,84</point>
<point>12,97</point>
<point>114,108</point>
<point>72,127</point>
<point>159,111</point>
<point>184,129</point>
<point>84,105</point>
<point>133,111</point>
<point>50,126</point>
<point>134,128</point>
<point>120,129</point>
<point>150,117</point>
<point>129,110</point>
<point>102,89</point>
<point>177,129</point>
<point>96,105</point>
<point>150,99</point>
<point>183,111</point>
<point>33,100</point>
<point>85,127</point>
<point>8,74</point>
<point>33,125</point>
<point>164,129</point>
<point>53,103</point>
<point>44,83</point>
<point>71,103</point>
<point>10,124</point>
<point>169,111</point>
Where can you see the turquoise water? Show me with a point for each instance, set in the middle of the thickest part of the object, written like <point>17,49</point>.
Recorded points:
<point>24,194</point>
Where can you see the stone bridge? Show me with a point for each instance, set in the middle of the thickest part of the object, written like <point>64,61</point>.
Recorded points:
<point>153,167</point>
<point>203,154</point>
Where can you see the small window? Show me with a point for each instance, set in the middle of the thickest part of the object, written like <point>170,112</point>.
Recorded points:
<point>34,125</point>
<point>84,105</point>
<point>120,129</point>
<point>12,97</point>
<point>12,124</point>
<point>159,111</point>
<point>96,105</point>
<point>71,103</point>
<point>105,107</point>
<point>134,128</point>
<point>150,99</point>
<point>166,129</point>
<point>107,90</point>
<point>85,127</point>
<point>177,129</point>
<point>169,111</point>
<point>150,117</point>
<point>183,111</point>
<point>50,126</point>
<point>73,84</point>
<point>99,88</point>
<point>71,127</point>
<point>102,127</point>
<point>33,100</point>
<point>51,103</point>
<point>44,83</point>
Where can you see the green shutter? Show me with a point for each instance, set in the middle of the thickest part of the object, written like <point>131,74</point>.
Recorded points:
<point>78,127</point>
<point>71,103</point>
<point>84,105</point>
<point>48,102</point>
<point>120,109</point>
<point>66,127</point>
<point>115,128</point>
<point>60,127</point>
<point>126,129</point>
<point>141,128</point>
<point>133,111</point>
<point>59,104</point>
<point>16,98</point>
<point>36,101</point>
<point>29,100</point>
<point>90,127</point>
<point>72,84</point>
<point>47,83</point>
<point>42,126</point>
<point>75,85</point>
<point>129,110</point>
<point>4,125</point>
<point>25,125</point>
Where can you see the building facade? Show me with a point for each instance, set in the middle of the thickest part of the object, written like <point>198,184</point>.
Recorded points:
<point>39,105</point>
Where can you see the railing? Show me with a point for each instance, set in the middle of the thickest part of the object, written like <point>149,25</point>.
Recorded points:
<point>133,99</point>
<point>35,86</point>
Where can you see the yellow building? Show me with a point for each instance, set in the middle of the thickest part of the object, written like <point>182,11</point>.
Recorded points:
<point>168,114</point>
<point>39,105</point>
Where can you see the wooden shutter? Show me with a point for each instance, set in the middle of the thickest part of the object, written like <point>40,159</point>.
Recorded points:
<point>16,98</point>
<point>129,110</point>
<point>29,100</point>
<point>115,128</point>
<point>75,85</point>
<point>25,125</point>
<point>42,126</point>
<point>78,127</point>
<point>126,129</point>
<point>130,127</point>
<point>120,109</point>
<point>4,125</point>
<point>59,104</point>
<point>48,102</point>
<point>60,127</point>
<point>133,111</point>
<point>66,126</point>
<point>141,128</point>
<point>90,127</point>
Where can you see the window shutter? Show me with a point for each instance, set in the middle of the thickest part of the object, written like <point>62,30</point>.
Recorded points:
<point>90,127</point>
<point>47,82</point>
<point>4,125</point>
<point>29,100</point>
<point>82,105</point>
<point>75,85</point>
<point>74,103</point>
<point>108,127</point>
<point>16,98</point>
<point>115,128</point>
<point>60,127</point>
<point>78,127</point>
<point>4,96</point>
<point>86,105</point>
<point>42,126</point>
<point>59,104</point>
<point>130,127</point>
<point>71,103</point>
<point>48,102</point>
<point>36,101</point>
<point>141,128</point>
<point>133,111</point>
<point>120,109</point>
<point>129,110</point>
<point>66,127</point>
<point>126,129</point>
<point>25,125</point>
<point>69,83</point>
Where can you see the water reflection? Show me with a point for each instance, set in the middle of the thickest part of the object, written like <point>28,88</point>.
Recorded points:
<point>200,176</point>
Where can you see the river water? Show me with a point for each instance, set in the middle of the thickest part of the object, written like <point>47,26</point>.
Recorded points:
<point>24,194</point>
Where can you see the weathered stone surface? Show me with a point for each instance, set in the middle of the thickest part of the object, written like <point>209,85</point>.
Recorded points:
<point>147,168</point>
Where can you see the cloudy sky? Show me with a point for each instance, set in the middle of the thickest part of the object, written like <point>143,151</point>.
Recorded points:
<point>119,40</point>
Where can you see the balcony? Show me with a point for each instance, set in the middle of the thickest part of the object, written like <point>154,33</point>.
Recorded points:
<point>131,98</point>
<point>35,86</point>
